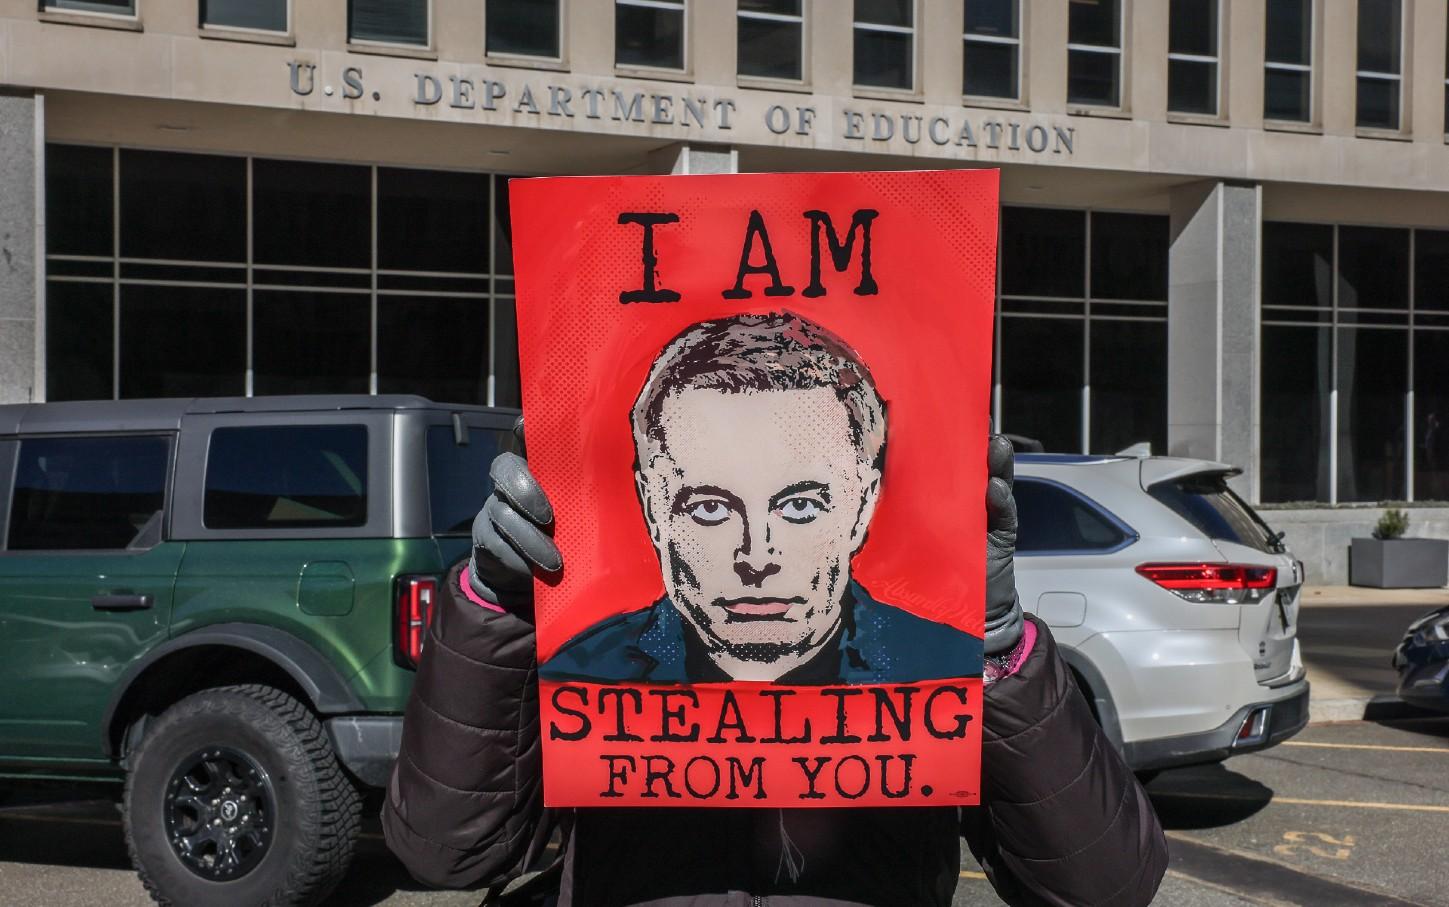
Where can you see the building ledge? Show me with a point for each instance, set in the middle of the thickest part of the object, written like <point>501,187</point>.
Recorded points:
<point>522,61</point>
<point>246,36</point>
<point>91,20</point>
<point>392,50</point>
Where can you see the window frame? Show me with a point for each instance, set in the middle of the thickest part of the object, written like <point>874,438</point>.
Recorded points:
<point>1218,114</point>
<point>532,60</point>
<point>1120,50</point>
<point>914,90</point>
<point>1401,77</point>
<point>402,48</point>
<point>1311,67</point>
<point>240,32</point>
<point>685,57</point>
<point>10,468</point>
<point>967,38</point>
<point>771,81</point>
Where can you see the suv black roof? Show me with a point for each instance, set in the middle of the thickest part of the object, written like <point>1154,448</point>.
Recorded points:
<point>166,414</point>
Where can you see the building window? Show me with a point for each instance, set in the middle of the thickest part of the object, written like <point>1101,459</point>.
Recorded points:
<point>1091,287</point>
<point>1380,63</point>
<point>1094,52</point>
<point>885,44</point>
<point>388,21</point>
<point>1354,396</point>
<point>771,39</point>
<point>649,33</point>
<point>262,15</point>
<point>1288,67</point>
<point>115,7</point>
<point>525,28</point>
<point>992,55</point>
<point>1192,57</point>
<point>174,298</point>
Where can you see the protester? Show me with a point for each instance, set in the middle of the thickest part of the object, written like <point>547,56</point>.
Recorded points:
<point>1062,819</point>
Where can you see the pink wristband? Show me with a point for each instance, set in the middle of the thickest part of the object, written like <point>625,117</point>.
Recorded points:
<point>1028,639</point>
<point>474,597</point>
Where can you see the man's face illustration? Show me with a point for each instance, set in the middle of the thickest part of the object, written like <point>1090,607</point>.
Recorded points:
<point>756,502</point>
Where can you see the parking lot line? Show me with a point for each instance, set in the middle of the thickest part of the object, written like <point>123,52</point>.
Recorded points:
<point>1369,746</point>
<point>968,874</point>
<point>1302,801</point>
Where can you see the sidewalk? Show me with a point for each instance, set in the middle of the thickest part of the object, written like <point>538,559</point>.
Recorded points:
<point>1348,634</point>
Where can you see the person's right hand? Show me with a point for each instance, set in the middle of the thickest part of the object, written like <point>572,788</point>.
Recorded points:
<point>512,534</point>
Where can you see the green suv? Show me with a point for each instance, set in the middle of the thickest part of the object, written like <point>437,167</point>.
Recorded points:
<point>221,602</point>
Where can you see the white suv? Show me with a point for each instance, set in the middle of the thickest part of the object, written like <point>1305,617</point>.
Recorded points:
<point>1175,604</point>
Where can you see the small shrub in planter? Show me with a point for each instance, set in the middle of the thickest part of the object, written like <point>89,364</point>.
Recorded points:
<point>1390,561</point>
<point>1392,525</point>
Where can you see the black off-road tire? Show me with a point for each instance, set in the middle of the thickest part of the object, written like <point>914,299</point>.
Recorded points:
<point>314,812</point>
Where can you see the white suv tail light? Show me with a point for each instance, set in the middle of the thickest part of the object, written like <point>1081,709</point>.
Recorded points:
<point>1223,584</point>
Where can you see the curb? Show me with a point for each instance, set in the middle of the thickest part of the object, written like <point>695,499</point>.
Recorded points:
<point>1380,707</point>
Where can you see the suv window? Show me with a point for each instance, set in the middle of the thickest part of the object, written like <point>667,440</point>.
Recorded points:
<point>86,493</point>
<point>1053,518</point>
<point>1206,501</point>
<point>458,481</point>
<point>286,477</point>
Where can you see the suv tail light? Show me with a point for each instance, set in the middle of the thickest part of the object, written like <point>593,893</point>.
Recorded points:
<point>413,611</point>
<point>1225,584</point>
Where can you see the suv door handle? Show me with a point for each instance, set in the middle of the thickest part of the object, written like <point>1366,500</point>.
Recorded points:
<point>121,602</point>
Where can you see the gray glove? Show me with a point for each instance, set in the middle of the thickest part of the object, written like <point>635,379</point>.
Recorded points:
<point>512,534</point>
<point>1003,610</point>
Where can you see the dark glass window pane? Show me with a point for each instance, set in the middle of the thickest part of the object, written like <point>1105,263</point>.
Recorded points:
<point>1129,385</point>
<point>1043,252</point>
<point>1373,376</point>
<point>264,14</point>
<point>1380,31</point>
<point>1378,103</point>
<point>1431,271</point>
<point>1042,376</point>
<point>648,36</point>
<point>778,7</point>
<point>1296,381</point>
<point>1193,27</point>
<point>434,347</point>
<point>286,477</point>
<point>506,379</point>
<point>393,21</point>
<point>1290,31</point>
<point>990,70</point>
<point>183,206</point>
<point>86,493</point>
<point>458,481</point>
<point>1192,87</point>
<point>1051,518</point>
<point>311,214</point>
<point>528,27</point>
<point>1129,256</point>
<point>311,343</point>
<point>79,340</point>
<point>769,48</point>
<point>991,17</point>
<point>502,228</point>
<point>1297,264</point>
<point>1373,268</point>
<point>432,220</point>
<point>1285,94</point>
<point>884,12</point>
<point>183,342</point>
<point>883,59</point>
<point>1094,22</point>
<point>1206,501</point>
<point>78,187</point>
<point>1092,77</point>
<point>1431,416</point>
<point>122,7</point>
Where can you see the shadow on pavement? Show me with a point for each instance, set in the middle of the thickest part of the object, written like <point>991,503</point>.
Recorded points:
<point>1424,722</point>
<point>1205,796</point>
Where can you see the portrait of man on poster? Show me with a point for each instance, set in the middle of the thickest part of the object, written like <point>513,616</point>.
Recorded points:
<point>760,445</point>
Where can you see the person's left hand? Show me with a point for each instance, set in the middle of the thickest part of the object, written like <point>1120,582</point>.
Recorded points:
<point>1003,610</point>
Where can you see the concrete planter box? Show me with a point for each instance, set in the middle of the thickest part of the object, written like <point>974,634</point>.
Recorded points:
<point>1399,563</point>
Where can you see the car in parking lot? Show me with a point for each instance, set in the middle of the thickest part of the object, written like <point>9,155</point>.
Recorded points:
<point>1422,660</point>
<point>1176,606</point>
<point>221,602</point>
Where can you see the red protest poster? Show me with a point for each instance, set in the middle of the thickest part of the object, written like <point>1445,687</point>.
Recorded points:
<point>759,406</point>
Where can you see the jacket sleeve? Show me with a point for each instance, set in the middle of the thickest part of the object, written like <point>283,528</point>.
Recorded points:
<point>1063,819</point>
<point>464,805</point>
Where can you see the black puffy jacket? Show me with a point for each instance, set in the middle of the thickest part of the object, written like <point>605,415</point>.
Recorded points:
<point>1062,819</point>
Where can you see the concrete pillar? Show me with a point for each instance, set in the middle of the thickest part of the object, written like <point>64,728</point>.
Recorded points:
<point>1213,326</point>
<point>22,126</point>
<point>686,159</point>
